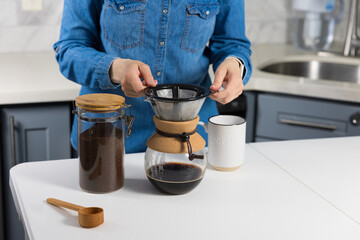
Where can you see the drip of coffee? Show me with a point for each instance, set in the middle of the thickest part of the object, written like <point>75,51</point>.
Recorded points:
<point>175,178</point>
<point>101,151</point>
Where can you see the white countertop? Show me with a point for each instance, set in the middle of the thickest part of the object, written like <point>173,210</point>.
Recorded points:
<point>261,200</point>
<point>330,169</point>
<point>35,77</point>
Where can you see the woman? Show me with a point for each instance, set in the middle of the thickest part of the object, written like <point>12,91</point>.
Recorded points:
<point>124,46</point>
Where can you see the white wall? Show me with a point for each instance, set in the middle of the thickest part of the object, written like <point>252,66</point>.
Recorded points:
<point>267,21</point>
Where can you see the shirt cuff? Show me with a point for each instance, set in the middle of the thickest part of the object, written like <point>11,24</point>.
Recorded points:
<point>102,73</point>
<point>241,65</point>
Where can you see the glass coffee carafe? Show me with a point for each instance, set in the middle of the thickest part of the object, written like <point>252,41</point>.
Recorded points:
<point>175,160</point>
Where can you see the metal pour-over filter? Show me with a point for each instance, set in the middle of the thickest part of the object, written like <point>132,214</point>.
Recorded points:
<point>176,102</point>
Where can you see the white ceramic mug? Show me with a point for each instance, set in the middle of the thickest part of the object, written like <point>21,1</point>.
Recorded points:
<point>226,141</point>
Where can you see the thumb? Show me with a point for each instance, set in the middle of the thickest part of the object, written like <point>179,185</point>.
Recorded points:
<point>219,78</point>
<point>145,73</point>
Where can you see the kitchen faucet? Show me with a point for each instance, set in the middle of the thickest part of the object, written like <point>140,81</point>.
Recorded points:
<point>352,40</point>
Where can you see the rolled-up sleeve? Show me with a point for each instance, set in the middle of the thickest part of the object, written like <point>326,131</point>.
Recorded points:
<point>79,49</point>
<point>229,37</point>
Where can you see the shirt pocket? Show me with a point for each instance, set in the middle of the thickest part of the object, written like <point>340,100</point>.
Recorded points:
<point>123,22</point>
<point>199,26</point>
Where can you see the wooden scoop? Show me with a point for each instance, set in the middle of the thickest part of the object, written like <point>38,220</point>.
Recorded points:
<point>89,217</point>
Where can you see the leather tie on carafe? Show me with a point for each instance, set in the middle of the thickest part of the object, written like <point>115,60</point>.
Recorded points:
<point>185,137</point>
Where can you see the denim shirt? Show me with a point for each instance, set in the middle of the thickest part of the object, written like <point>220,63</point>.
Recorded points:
<point>178,39</point>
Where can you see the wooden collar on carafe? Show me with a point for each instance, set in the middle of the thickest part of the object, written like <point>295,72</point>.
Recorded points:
<point>173,127</point>
<point>181,130</point>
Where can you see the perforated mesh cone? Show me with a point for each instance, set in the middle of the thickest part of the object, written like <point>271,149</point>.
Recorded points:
<point>176,102</point>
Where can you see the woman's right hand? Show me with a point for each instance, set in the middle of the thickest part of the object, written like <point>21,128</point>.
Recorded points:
<point>129,73</point>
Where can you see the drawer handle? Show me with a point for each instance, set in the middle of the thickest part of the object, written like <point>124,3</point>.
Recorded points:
<point>12,139</point>
<point>308,124</point>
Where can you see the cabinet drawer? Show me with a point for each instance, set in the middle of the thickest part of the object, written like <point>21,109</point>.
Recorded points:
<point>286,117</point>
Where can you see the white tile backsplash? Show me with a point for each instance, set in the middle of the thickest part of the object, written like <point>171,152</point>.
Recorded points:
<point>26,31</point>
<point>8,15</point>
<point>28,38</point>
<point>267,31</point>
<point>49,15</point>
<point>266,10</point>
<point>267,21</point>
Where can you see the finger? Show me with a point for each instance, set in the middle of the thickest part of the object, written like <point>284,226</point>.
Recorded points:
<point>219,78</point>
<point>220,96</point>
<point>132,94</point>
<point>225,99</point>
<point>128,89</point>
<point>233,88</point>
<point>144,83</point>
<point>145,73</point>
<point>136,84</point>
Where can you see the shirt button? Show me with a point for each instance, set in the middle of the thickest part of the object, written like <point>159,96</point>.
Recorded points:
<point>158,74</point>
<point>207,12</point>
<point>165,11</point>
<point>122,7</point>
<point>162,43</point>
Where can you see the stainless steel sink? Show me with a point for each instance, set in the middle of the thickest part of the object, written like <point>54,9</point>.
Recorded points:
<point>316,70</point>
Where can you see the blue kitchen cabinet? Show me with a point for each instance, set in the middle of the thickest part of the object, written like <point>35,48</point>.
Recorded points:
<point>285,117</point>
<point>30,133</point>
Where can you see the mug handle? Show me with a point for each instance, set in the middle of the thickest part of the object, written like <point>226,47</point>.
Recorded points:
<point>205,125</point>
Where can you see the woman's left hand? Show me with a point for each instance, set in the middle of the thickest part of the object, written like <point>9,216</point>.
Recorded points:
<point>228,75</point>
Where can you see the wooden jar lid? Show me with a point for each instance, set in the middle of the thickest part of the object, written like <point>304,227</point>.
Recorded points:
<point>99,102</point>
<point>164,144</point>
